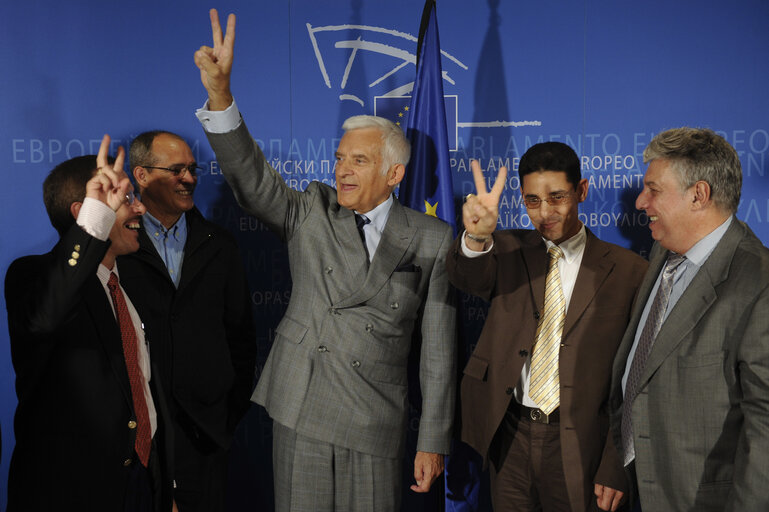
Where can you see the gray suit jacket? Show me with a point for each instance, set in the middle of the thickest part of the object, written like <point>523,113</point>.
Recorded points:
<point>701,418</point>
<point>337,368</point>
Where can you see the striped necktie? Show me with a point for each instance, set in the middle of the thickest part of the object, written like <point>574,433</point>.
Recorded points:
<point>645,341</point>
<point>544,386</point>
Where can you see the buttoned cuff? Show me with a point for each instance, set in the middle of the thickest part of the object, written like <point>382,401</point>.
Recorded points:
<point>96,218</point>
<point>219,121</point>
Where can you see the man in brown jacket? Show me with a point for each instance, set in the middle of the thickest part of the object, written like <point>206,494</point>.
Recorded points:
<point>535,389</point>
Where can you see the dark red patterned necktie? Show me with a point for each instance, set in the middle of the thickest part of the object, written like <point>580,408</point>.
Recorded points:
<point>135,376</point>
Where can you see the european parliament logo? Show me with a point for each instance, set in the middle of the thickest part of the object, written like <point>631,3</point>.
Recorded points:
<point>366,61</point>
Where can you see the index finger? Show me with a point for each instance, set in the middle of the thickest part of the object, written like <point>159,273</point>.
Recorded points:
<point>229,36</point>
<point>101,157</point>
<point>216,28</point>
<point>499,184</point>
<point>480,185</point>
<point>119,159</point>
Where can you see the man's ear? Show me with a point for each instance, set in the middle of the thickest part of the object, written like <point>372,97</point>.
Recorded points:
<point>395,174</point>
<point>140,175</point>
<point>74,209</point>
<point>581,190</point>
<point>701,195</point>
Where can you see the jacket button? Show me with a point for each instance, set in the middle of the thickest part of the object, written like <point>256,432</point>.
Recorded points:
<point>536,315</point>
<point>75,254</point>
<point>355,364</point>
<point>132,424</point>
<point>509,391</point>
<point>523,353</point>
<point>77,247</point>
<point>127,462</point>
<point>72,262</point>
<point>328,270</point>
<point>394,305</point>
<point>322,348</point>
<point>333,311</point>
<point>369,328</point>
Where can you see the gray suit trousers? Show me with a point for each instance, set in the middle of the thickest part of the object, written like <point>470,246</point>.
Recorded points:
<point>313,476</point>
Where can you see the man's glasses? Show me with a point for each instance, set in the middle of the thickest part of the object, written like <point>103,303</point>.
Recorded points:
<point>179,170</point>
<point>130,197</point>
<point>534,202</point>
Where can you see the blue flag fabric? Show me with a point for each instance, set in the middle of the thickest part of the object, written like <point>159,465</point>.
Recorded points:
<point>427,186</point>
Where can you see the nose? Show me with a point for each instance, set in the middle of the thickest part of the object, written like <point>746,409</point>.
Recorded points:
<point>641,201</point>
<point>138,207</point>
<point>544,209</point>
<point>188,177</point>
<point>341,169</point>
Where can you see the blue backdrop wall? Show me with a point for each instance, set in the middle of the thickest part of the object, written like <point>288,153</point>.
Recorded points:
<point>601,75</point>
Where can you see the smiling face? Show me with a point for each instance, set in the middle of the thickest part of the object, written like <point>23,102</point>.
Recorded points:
<point>560,222</point>
<point>360,184</point>
<point>125,232</point>
<point>667,205</point>
<point>167,196</point>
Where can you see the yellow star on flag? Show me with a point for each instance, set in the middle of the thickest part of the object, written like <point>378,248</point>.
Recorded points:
<point>431,209</point>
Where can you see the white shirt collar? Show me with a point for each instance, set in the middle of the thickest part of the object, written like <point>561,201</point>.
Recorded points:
<point>573,246</point>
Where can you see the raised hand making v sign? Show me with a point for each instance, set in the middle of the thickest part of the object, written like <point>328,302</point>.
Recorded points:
<point>481,210</point>
<point>215,63</point>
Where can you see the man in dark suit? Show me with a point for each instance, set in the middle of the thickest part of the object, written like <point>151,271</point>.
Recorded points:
<point>690,385</point>
<point>188,282</point>
<point>535,388</point>
<point>87,428</point>
<point>335,382</point>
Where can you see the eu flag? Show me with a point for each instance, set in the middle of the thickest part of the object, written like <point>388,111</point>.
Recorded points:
<point>427,186</point>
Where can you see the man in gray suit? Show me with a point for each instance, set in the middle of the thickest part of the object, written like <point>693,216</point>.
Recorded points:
<point>367,274</point>
<point>690,392</point>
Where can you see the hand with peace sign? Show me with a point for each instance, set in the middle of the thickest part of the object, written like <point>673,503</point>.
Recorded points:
<point>110,185</point>
<point>216,63</point>
<point>481,210</point>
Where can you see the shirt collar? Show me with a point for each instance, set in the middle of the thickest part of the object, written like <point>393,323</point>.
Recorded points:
<point>702,249</point>
<point>103,273</point>
<point>573,246</point>
<point>378,216</point>
<point>152,225</point>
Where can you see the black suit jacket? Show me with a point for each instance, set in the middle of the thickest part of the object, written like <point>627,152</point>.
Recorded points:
<point>73,448</point>
<point>201,334</point>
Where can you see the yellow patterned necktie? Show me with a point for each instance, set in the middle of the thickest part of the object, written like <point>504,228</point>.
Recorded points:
<point>544,386</point>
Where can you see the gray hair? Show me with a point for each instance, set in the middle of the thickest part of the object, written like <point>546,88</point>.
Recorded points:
<point>700,154</point>
<point>395,148</point>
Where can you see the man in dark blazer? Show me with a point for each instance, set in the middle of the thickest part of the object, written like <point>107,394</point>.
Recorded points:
<point>188,282</point>
<point>88,428</point>
<point>554,457</point>
<point>690,385</point>
<point>335,381</point>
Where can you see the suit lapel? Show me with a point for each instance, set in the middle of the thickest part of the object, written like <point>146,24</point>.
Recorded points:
<point>348,242</point>
<point>197,235</point>
<point>698,297</point>
<point>396,238</point>
<point>149,254</point>
<point>593,270</point>
<point>107,331</point>
<point>534,253</point>
<point>644,290</point>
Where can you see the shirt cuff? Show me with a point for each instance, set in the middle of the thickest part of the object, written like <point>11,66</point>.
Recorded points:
<point>96,218</point>
<point>219,121</point>
<point>469,253</point>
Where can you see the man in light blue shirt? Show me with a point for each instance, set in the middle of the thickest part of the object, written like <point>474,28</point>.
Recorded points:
<point>690,381</point>
<point>205,349</point>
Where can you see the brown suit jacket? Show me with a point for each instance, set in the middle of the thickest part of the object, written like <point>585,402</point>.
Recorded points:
<point>512,277</point>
